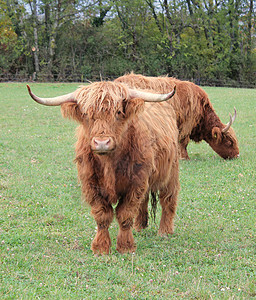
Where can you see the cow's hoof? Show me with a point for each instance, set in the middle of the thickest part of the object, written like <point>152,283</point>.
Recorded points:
<point>165,232</point>
<point>126,248</point>
<point>101,243</point>
<point>103,250</point>
<point>125,242</point>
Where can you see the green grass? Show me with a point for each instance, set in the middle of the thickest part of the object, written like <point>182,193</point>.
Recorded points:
<point>45,231</point>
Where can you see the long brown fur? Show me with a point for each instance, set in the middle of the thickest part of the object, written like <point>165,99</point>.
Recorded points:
<point>196,118</point>
<point>144,160</point>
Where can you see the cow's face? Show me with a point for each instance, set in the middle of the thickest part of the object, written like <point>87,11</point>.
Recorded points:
<point>107,126</point>
<point>224,143</point>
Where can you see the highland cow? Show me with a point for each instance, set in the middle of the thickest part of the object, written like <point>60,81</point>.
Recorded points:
<point>196,118</point>
<point>125,150</point>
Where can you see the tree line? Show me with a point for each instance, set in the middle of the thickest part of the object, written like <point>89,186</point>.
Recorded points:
<point>206,41</point>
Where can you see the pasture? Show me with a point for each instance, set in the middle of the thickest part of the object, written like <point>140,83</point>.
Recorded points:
<point>46,231</point>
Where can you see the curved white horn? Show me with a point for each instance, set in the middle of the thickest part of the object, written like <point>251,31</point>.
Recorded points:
<point>151,97</point>
<point>55,101</point>
<point>231,121</point>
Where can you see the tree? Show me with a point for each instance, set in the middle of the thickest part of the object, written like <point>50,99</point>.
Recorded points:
<point>48,17</point>
<point>206,41</point>
<point>10,47</point>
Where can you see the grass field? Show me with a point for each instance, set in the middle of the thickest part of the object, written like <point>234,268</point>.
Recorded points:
<point>45,231</point>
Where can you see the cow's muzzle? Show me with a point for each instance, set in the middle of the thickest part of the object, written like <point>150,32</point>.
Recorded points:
<point>102,145</point>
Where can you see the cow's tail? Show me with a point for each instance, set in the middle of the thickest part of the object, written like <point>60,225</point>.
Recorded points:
<point>153,200</point>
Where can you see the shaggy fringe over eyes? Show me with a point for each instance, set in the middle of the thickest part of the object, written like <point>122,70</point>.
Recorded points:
<point>101,96</point>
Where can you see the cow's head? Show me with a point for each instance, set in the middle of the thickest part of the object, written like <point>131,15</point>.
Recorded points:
<point>104,109</point>
<point>223,140</point>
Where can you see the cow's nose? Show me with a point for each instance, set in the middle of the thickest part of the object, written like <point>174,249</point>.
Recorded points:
<point>102,144</point>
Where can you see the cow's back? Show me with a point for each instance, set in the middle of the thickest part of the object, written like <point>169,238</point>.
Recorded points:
<point>188,102</point>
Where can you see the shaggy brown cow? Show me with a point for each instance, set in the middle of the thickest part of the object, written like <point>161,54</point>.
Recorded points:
<point>123,153</point>
<point>196,118</point>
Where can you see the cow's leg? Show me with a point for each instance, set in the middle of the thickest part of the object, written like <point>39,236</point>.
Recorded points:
<point>126,210</point>
<point>125,214</point>
<point>169,200</point>
<point>183,148</point>
<point>101,210</point>
<point>141,220</point>
<point>103,215</point>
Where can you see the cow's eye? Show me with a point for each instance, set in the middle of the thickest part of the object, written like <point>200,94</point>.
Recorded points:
<point>229,143</point>
<point>85,117</point>
<point>120,114</point>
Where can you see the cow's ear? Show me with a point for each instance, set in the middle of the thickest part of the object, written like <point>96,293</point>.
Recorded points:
<point>134,106</point>
<point>216,134</point>
<point>72,111</point>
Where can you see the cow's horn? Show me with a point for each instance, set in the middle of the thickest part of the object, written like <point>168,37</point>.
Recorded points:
<point>151,97</point>
<point>231,121</point>
<point>55,101</point>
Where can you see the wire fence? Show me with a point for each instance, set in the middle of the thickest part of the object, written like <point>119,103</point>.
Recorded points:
<point>73,77</point>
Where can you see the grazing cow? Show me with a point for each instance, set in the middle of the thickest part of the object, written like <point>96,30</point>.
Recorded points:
<point>124,151</point>
<point>196,118</point>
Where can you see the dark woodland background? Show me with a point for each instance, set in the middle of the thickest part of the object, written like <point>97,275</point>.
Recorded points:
<point>209,42</point>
